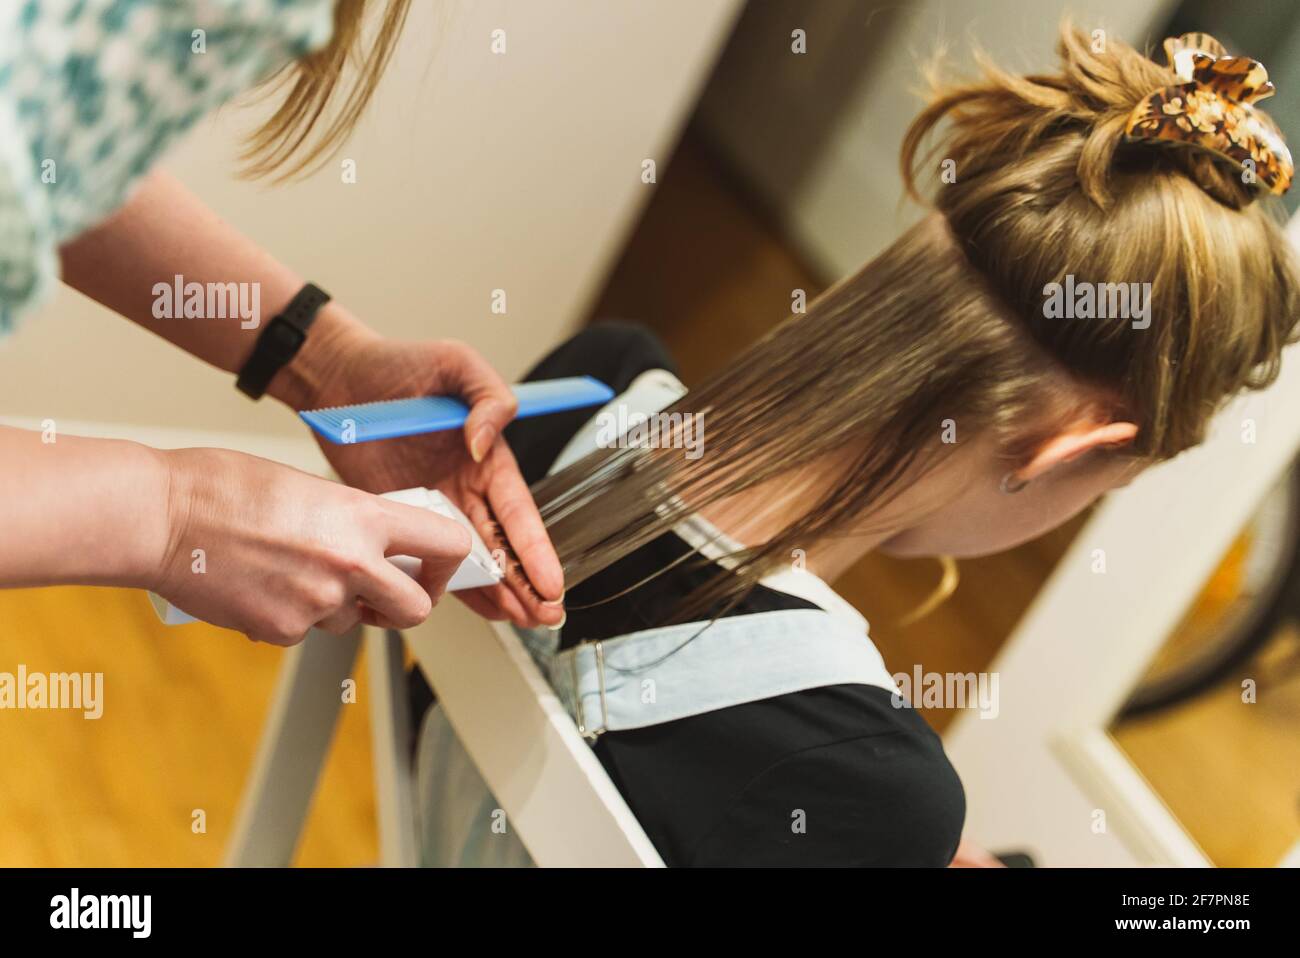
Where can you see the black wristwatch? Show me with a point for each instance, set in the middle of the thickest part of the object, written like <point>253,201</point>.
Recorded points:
<point>281,340</point>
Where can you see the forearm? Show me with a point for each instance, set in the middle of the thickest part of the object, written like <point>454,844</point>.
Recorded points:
<point>80,511</point>
<point>131,264</point>
<point>165,232</point>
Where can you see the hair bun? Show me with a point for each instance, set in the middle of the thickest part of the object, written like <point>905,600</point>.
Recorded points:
<point>1231,148</point>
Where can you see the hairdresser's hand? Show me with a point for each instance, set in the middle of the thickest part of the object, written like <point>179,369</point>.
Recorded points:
<point>283,551</point>
<point>970,855</point>
<point>347,363</point>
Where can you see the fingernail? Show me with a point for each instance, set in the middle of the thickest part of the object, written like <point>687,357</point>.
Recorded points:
<point>481,443</point>
<point>554,602</point>
<point>559,625</point>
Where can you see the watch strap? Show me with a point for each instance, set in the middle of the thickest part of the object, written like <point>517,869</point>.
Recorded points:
<point>280,341</point>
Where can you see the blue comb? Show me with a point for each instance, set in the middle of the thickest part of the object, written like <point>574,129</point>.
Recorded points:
<point>391,418</point>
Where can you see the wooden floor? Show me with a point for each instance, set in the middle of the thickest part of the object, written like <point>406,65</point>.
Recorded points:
<point>183,707</point>
<point>1230,771</point>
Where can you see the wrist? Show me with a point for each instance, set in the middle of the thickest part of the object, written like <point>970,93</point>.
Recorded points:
<point>144,547</point>
<point>310,380</point>
<point>192,477</point>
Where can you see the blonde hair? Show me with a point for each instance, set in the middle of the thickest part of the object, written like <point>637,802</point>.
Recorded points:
<point>284,145</point>
<point>949,322</point>
<point>1047,188</point>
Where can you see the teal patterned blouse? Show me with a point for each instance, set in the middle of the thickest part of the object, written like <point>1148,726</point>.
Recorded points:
<point>93,91</point>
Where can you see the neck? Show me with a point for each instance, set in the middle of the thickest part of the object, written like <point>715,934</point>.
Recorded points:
<point>925,498</point>
<point>758,514</point>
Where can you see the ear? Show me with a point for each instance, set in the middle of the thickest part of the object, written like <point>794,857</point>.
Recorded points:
<point>1076,441</point>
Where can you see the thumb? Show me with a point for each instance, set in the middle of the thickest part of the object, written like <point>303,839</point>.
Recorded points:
<point>486,419</point>
<point>491,402</point>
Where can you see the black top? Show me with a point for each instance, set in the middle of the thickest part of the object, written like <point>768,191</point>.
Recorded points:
<point>828,776</point>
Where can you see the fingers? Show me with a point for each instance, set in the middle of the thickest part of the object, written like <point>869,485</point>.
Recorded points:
<point>411,530</point>
<point>491,402</point>
<point>514,597</point>
<point>283,638</point>
<point>397,600</point>
<point>371,617</point>
<point>484,424</point>
<point>512,504</point>
<point>506,598</point>
<point>481,605</point>
<point>341,621</point>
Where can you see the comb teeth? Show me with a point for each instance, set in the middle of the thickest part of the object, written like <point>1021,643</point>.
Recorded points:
<point>391,418</point>
<point>388,419</point>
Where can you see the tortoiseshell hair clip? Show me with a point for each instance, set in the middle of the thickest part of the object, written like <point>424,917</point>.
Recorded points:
<point>1213,109</point>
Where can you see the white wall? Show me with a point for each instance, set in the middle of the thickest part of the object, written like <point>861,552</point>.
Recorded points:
<point>475,171</point>
<point>817,135</point>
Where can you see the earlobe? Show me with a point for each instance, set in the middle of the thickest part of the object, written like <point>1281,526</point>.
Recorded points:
<point>1011,483</point>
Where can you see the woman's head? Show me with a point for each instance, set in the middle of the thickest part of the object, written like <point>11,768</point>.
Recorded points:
<point>1048,192</point>
<point>1152,279</point>
<point>968,352</point>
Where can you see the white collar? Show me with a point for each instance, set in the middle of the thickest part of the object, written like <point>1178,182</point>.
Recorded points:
<point>716,545</point>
